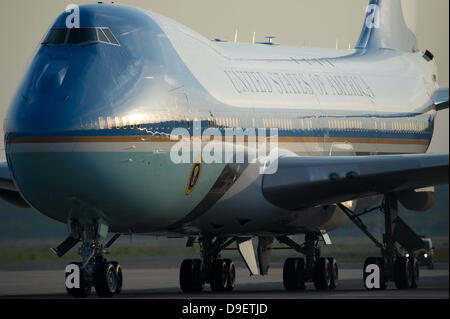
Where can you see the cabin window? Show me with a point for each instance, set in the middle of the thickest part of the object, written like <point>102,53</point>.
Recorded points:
<point>110,122</point>
<point>101,123</point>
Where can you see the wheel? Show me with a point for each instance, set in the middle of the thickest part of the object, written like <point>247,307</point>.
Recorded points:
<point>290,274</point>
<point>322,274</point>
<point>231,276</point>
<point>334,273</point>
<point>218,275</point>
<point>301,274</point>
<point>119,275</point>
<point>84,290</point>
<point>383,281</point>
<point>105,279</point>
<point>414,272</point>
<point>187,283</point>
<point>402,273</point>
<point>294,274</point>
<point>197,271</point>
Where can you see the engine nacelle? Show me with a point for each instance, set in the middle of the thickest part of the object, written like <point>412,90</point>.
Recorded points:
<point>418,200</point>
<point>13,198</point>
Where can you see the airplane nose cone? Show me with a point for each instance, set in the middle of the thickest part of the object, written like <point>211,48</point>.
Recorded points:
<point>51,77</point>
<point>60,93</point>
<point>66,111</point>
<point>48,82</point>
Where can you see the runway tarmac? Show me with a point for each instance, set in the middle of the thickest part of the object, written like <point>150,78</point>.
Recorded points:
<point>158,278</point>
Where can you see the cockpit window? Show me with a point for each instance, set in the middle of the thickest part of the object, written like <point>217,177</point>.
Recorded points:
<point>55,37</point>
<point>82,35</point>
<point>110,36</point>
<point>101,36</point>
<point>79,36</point>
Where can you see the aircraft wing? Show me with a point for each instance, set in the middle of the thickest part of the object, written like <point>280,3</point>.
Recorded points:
<point>8,190</point>
<point>302,182</point>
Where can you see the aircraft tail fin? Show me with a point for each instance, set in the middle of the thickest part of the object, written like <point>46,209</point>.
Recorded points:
<point>385,28</point>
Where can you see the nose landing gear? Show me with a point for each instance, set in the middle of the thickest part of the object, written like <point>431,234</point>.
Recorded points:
<point>94,271</point>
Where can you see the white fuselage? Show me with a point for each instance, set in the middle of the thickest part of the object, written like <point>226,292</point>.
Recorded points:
<point>323,103</point>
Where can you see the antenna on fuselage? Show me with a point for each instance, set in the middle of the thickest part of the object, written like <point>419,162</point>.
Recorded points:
<point>337,43</point>
<point>269,40</point>
<point>254,37</point>
<point>235,36</point>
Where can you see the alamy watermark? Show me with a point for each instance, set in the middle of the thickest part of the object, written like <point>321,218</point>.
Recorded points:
<point>73,277</point>
<point>239,145</point>
<point>372,279</point>
<point>373,16</point>
<point>73,18</point>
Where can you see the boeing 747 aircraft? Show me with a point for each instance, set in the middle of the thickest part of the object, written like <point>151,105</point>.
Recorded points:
<point>98,132</point>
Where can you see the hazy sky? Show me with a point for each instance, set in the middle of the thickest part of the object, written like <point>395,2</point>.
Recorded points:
<point>314,23</point>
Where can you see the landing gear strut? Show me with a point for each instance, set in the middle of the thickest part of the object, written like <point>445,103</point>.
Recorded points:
<point>320,270</point>
<point>94,270</point>
<point>403,271</point>
<point>219,273</point>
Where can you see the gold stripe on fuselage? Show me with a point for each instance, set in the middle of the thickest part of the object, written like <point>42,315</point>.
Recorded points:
<point>142,139</point>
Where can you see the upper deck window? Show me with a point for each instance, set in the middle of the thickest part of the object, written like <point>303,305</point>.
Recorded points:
<point>80,36</point>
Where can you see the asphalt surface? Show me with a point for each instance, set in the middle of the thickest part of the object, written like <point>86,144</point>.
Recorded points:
<point>156,278</point>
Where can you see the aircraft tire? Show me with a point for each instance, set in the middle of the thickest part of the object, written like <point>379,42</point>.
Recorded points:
<point>402,273</point>
<point>197,271</point>
<point>119,275</point>
<point>231,276</point>
<point>322,274</point>
<point>334,273</point>
<point>290,274</point>
<point>301,274</point>
<point>105,279</point>
<point>187,283</point>
<point>218,275</point>
<point>414,272</point>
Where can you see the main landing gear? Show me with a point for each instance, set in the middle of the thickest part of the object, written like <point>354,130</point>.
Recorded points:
<point>322,271</point>
<point>94,271</point>
<point>219,273</point>
<point>402,270</point>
